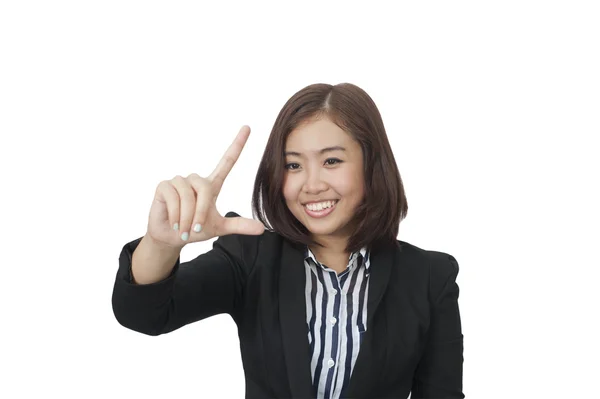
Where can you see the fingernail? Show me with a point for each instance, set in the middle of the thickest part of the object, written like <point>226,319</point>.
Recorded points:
<point>185,236</point>
<point>197,228</point>
<point>176,226</point>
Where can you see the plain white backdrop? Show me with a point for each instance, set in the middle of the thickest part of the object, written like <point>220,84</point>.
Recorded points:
<point>492,110</point>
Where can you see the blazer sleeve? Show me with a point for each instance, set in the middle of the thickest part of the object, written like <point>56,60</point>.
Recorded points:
<point>208,285</point>
<point>440,370</point>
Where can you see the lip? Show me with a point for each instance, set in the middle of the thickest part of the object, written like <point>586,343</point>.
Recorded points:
<point>316,202</point>
<point>322,213</point>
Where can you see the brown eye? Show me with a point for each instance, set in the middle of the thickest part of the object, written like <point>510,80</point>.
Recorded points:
<point>292,166</point>
<point>332,161</point>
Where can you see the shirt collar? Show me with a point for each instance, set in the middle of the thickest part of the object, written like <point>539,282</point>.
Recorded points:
<point>363,252</point>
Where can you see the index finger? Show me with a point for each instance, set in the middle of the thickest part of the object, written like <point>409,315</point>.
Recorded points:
<point>230,158</point>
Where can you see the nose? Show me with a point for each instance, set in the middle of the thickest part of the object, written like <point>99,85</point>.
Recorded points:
<point>314,184</point>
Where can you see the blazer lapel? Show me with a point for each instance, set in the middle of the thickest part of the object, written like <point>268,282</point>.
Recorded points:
<point>366,373</point>
<point>292,315</point>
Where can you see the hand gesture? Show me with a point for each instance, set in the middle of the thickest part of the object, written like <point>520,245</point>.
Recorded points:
<point>184,209</point>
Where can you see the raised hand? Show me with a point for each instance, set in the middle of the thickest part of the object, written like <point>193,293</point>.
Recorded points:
<point>184,209</point>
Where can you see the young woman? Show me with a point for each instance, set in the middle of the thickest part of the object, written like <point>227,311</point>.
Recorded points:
<point>328,303</point>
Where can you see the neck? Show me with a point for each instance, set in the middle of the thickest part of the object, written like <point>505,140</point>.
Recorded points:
<point>332,246</point>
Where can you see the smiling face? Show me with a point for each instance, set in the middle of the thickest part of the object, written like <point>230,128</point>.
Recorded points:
<point>324,178</point>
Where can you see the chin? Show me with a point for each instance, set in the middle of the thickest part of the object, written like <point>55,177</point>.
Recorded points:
<point>328,228</point>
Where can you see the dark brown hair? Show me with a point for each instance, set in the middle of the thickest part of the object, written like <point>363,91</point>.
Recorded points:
<point>384,205</point>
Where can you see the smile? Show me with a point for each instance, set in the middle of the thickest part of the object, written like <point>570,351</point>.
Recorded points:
<point>320,209</point>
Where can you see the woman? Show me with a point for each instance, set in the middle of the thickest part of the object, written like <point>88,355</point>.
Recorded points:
<point>328,303</point>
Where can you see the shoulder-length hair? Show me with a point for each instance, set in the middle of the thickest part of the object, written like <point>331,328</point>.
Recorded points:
<point>384,205</point>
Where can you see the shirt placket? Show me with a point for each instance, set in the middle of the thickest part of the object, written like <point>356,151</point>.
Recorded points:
<point>334,364</point>
<point>333,324</point>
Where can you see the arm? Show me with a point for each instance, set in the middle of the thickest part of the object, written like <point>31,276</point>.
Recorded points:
<point>439,373</point>
<point>152,262</point>
<point>208,285</point>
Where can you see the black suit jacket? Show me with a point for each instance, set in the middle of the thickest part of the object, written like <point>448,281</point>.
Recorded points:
<point>413,343</point>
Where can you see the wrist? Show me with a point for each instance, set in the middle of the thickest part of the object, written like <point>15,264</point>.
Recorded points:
<point>160,247</point>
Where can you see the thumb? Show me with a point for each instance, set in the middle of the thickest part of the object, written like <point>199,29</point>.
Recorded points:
<point>240,225</point>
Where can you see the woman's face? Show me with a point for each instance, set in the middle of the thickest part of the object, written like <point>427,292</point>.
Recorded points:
<point>324,178</point>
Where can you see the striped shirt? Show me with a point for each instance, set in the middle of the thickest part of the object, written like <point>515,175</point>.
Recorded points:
<point>336,315</point>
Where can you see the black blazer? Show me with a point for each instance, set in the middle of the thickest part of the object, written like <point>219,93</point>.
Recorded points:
<point>413,343</point>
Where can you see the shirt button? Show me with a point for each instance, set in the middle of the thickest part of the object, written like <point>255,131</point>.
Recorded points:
<point>333,320</point>
<point>330,363</point>
<point>333,292</point>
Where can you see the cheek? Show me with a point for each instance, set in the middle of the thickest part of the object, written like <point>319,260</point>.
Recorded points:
<point>290,193</point>
<point>350,185</point>
<point>359,186</point>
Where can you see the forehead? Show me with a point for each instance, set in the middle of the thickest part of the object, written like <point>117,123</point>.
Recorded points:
<point>316,134</point>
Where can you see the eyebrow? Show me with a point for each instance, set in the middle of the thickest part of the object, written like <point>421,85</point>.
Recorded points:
<point>324,150</point>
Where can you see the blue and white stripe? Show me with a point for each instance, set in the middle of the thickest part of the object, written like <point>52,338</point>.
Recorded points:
<point>336,315</point>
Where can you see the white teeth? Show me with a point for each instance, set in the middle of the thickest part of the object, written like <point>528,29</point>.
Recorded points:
<point>320,206</point>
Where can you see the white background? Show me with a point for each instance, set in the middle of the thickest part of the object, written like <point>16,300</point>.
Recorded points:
<point>492,110</point>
